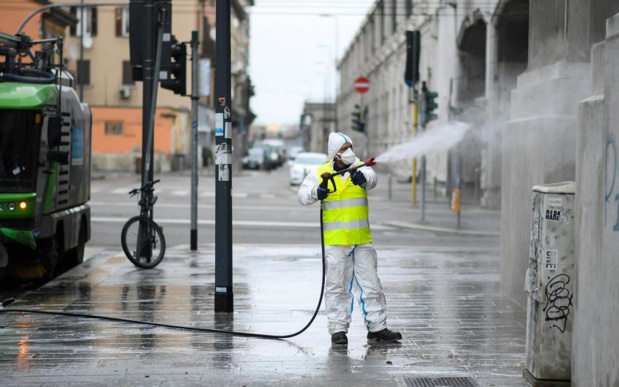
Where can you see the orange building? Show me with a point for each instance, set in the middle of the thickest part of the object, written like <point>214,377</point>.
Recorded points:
<point>50,23</point>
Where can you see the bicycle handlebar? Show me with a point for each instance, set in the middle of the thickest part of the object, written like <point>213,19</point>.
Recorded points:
<point>147,187</point>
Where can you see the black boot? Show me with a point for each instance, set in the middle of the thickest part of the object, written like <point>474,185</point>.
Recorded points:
<point>384,335</point>
<point>339,338</point>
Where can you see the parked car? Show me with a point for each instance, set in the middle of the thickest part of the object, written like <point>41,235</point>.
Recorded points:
<point>278,151</point>
<point>303,164</point>
<point>292,154</point>
<point>255,159</point>
<point>271,156</point>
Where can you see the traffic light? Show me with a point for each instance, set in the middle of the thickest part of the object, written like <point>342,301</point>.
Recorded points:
<point>429,104</point>
<point>177,69</point>
<point>359,119</point>
<point>413,52</point>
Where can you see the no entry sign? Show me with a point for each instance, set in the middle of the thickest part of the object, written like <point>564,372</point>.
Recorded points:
<point>362,85</point>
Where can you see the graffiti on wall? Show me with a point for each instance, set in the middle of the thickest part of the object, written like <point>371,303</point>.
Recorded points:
<point>558,301</point>
<point>610,184</point>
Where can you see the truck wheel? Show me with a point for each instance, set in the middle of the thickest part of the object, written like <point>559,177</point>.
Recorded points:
<point>49,259</point>
<point>75,256</point>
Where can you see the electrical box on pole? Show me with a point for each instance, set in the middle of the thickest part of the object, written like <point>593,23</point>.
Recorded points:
<point>141,22</point>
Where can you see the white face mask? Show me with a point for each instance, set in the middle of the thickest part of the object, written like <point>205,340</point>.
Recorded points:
<point>348,156</point>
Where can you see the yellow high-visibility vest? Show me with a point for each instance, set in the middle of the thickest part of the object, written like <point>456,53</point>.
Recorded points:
<point>345,212</point>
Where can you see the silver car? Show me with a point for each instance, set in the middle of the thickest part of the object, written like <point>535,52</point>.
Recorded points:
<point>303,164</point>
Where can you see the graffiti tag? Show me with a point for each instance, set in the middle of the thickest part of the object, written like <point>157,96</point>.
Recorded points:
<point>558,301</point>
<point>610,177</point>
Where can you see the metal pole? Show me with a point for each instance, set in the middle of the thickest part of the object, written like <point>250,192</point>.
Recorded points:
<point>415,125</point>
<point>148,73</point>
<point>193,237</point>
<point>366,136</point>
<point>224,299</point>
<point>423,188</point>
<point>80,69</point>
<point>423,157</point>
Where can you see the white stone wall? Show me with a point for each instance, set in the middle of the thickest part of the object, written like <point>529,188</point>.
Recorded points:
<point>595,356</point>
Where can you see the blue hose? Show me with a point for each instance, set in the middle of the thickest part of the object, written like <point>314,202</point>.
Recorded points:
<point>32,76</point>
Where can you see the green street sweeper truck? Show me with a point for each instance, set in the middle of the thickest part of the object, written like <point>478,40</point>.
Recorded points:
<point>45,137</point>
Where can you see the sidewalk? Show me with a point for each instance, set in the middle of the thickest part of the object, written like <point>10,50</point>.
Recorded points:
<point>445,301</point>
<point>439,218</point>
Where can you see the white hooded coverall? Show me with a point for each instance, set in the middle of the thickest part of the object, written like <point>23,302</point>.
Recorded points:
<point>350,268</point>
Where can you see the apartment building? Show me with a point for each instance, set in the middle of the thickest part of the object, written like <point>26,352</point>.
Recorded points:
<point>97,52</point>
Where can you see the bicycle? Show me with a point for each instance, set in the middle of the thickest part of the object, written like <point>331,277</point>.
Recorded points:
<point>149,247</point>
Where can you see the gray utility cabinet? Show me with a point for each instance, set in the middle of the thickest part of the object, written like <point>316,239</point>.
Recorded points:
<point>550,283</point>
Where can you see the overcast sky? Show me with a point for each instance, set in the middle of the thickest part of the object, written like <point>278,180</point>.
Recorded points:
<point>292,52</point>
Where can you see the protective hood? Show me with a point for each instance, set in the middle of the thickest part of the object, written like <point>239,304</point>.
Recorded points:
<point>336,140</point>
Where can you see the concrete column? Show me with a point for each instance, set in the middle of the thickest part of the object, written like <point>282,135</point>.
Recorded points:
<point>595,339</point>
<point>539,142</point>
<point>491,154</point>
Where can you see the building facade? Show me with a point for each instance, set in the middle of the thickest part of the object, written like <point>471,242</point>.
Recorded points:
<point>538,81</point>
<point>98,55</point>
<point>471,54</point>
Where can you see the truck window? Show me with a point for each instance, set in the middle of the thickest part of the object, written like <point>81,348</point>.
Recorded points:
<point>19,150</point>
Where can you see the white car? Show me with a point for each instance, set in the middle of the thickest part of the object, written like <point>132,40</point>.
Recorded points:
<point>303,164</point>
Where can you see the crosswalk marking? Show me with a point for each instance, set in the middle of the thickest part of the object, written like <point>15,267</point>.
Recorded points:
<point>240,223</point>
<point>185,193</point>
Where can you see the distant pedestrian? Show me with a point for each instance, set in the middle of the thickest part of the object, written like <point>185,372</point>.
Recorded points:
<point>350,255</point>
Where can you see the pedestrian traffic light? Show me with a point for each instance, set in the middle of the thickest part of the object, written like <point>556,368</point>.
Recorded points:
<point>177,69</point>
<point>429,104</point>
<point>359,116</point>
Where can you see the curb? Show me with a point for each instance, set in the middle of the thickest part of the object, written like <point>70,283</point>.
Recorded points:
<point>444,230</point>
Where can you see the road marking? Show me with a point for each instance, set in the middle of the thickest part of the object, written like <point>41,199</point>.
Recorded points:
<point>180,193</point>
<point>121,191</point>
<point>209,194</point>
<point>246,223</point>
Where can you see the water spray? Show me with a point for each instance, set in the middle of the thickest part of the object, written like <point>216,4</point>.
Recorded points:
<point>440,138</point>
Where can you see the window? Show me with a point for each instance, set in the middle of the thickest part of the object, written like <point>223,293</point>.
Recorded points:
<point>127,73</point>
<point>83,72</point>
<point>18,158</point>
<point>90,16</point>
<point>113,128</point>
<point>409,7</point>
<point>383,22</point>
<point>394,15</point>
<point>121,16</point>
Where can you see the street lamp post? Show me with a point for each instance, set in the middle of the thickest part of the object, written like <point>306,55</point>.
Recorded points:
<point>335,56</point>
<point>327,93</point>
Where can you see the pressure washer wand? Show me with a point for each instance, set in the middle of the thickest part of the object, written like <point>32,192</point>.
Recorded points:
<point>329,176</point>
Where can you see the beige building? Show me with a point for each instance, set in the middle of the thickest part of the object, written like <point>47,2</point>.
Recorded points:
<point>101,47</point>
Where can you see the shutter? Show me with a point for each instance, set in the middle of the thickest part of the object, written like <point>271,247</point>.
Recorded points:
<point>118,17</point>
<point>93,17</point>
<point>73,13</point>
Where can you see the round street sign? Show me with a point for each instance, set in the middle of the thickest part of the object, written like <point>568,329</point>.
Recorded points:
<point>362,85</point>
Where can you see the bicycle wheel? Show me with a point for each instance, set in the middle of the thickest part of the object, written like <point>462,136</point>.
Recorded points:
<point>155,242</point>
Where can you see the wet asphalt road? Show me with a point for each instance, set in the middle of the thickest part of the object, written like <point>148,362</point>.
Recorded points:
<point>445,301</point>
<point>265,210</point>
<point>442,291</point>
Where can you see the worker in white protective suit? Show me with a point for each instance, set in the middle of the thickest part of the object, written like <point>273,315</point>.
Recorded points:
<point>350,256</point>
